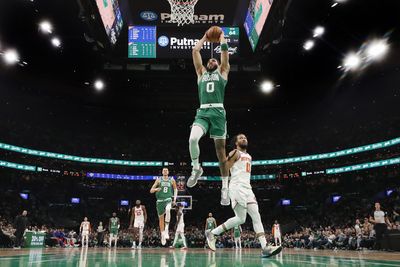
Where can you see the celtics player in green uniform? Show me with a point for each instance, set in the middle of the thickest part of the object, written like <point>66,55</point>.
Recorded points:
<point>237,230</point>
<point>211,116</point>
<point>165,189</point>
<point>113,227</point>
<point>211,223</point>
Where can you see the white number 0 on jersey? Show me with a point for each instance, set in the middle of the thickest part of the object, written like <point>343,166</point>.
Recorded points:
<point>210,87</point>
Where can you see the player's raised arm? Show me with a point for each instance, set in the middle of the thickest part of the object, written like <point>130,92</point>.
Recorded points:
<point>232,158</point>
<point>197,61</point>
<point>225,67</point>
<point>155,187</point>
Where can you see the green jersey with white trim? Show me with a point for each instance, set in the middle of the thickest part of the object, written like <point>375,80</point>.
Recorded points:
<point>211,223</point>
<point>166,189</point>
<point>211,86</point>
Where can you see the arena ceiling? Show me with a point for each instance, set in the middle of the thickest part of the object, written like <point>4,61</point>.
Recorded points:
<point>303,78</point>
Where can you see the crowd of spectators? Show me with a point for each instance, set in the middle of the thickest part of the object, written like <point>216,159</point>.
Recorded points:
<point>312,221</point>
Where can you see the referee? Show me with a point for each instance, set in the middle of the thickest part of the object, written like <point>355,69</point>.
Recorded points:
<point>20,224</point>
<point>380,222</point>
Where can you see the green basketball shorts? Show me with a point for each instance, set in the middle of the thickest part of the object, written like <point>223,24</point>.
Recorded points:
<point>212,120</point>
<point>114,231</point>
<point>162,205</point>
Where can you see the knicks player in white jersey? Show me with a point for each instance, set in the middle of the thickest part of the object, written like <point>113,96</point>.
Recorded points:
<point>243,200</point>
<point>84,230</point>
<point>180,226</point>
<point>137,222</point>
<point>276,230</point>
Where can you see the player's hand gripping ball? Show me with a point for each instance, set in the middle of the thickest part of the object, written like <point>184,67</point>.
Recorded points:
<point>213,34</point>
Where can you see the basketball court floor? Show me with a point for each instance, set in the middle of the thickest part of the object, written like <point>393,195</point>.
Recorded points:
<point>192,257</point>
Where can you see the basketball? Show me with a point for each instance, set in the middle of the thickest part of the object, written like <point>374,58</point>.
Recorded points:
<point>213,34</point>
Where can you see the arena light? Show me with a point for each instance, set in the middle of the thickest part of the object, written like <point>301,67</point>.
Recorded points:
<point>124,202</point>
<point>56,42</point>
<point>389,192</point>
<point>75,200</point>
<point>286,202</point>
<point>336,198</point>
<point>99,85</point>
<point>267,87</point>
<point>352,61</point>
<point>46,27</point>
<point>377,49</point>
<point>24,196</point>
<point>318,31</point>
<point>11,56</point>
<point>308,45</point>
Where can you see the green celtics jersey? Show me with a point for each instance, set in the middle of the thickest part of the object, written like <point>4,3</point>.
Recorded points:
<point>210,223</point>
<point>236,232</point>
<point>114,223</point>
<point>166,191</point>
<point>212,88</point>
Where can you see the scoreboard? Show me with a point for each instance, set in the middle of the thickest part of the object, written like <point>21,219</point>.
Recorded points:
<point>167,42</point>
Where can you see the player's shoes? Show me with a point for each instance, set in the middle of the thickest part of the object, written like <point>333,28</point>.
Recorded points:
<point>269,251</point>
<point>225,201</point>
<point>211,240</point>
<point>184,248</point>
<point>139,247</point>
<point>134,246</point>
<point>163,240</point>
<point>194,176</point>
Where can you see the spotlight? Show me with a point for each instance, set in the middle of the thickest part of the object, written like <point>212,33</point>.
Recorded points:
<point>308,45</point>
<point>11,56</point>
<point>46,27</point>
<point>99,85</point>
<point>267,87</point>
<point>352,61</point>
<point>318,31</point>
<point>377,49</point>
<point>56,42</point>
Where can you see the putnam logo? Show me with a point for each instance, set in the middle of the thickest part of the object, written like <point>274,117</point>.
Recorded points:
<point>198,19</point>
<point>186,43</point>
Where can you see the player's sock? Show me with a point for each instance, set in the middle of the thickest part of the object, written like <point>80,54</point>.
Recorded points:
<point>252,209</point>
<point>140,237</point>
<point>183,240</point>
<point>195,134</point>
<point>225,180</point>
<point>196,163</point>
<point>175,239</point>
<point>262,239</point>
<point>239,219</point>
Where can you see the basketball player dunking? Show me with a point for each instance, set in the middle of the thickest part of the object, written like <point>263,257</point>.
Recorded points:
<point>137,222</point>
<point>164,188</point>
<point>211,116</point>
<point>242,198</point>
<point>84,229</point>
